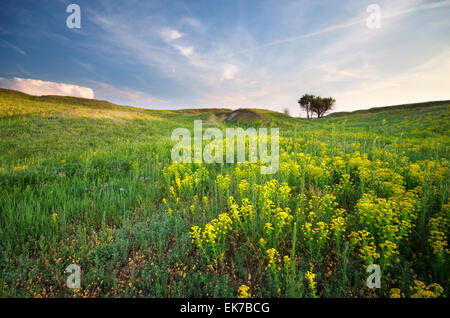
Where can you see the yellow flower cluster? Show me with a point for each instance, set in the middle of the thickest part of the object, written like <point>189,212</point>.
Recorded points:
<point>243,292</point>
<point>217,227</point>
<point>286,262</point>
<point>358,162</point>
<point>363,240</point>
<point>365,193</point>
<point>315,234</point>
<point>420,290</point>
<point>323,207</point>
<point>246,170</point>
<point>223,183</point>
<point>242,215</point>
<point>215,232</point>
<point>262,243</point>
<point>184,180</point>
<point>395,293</point>
<point>415,174</point>
<point>274,191</point>
<point>55,217</point>
<point>196,236</point>
<point>274,259</point>
<point>282,217</point>
<point>277,219</point>
<point>338,226</point>
<point>268,227</point>
<point>390,221</point>
<point>438,238</point>
<point>20,168</point>
<point>316,174</point>
<point>384,180</point>
<point>290,169</point>
<point>310,276</point>
<point>388,252</point>
<point>243,187</point>
<point>436,170</point>
<point>205,202</point>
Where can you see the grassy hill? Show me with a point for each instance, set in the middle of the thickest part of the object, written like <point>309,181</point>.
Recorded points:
<point>91,183</point>
<point>417,106</point>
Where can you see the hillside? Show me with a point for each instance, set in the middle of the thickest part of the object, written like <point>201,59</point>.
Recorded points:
<point>418,106</point>
<point>14,103</point>
<point>49,120</point>
<point>91,183</point>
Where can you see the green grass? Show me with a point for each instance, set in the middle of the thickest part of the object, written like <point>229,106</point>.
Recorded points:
<point>89,182</point>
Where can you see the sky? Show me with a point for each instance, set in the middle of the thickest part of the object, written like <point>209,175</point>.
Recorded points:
<point>228,53</point>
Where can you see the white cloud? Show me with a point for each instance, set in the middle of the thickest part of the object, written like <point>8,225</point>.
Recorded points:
<point>122,96</point>
<point>229,72</point>
<point>39,88</point>
<point>184,50</point>
<point>358,66</point>
<point>340,57</point>
<point>169,35</point>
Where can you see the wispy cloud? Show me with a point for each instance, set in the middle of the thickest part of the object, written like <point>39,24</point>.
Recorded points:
<point>229,72</point>
<point>417,8</point>
<point>12,46</point>
<point>177,59</point>
<point>185,50</point>
<point>261,54</point>
<point>39,87</point>
<point>169,34</point>
<point>126,96</point>
<point>406,87</point>
<point>360,20</point>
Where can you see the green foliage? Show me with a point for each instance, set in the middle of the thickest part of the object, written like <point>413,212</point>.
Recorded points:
<point>92,183</point>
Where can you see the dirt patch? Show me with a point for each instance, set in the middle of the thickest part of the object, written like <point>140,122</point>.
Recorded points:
<point>243,115</point>
<point>136,262</point>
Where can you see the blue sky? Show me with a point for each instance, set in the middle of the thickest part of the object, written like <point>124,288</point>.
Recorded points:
<point>229,53</point>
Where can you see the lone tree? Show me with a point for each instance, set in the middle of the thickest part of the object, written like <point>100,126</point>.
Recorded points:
<point>305,102</point>
<point>316,104</point>
<point>327,105</point>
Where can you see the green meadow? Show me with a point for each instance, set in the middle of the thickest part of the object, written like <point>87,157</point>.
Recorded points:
<point>91,183</point>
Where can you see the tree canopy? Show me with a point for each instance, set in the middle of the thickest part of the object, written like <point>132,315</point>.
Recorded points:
<point>316,104</point>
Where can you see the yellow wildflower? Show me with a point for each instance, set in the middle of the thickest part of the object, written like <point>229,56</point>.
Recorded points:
<point>20,168</point>
<point>55,217</point>
<point>395,293</point>
<point>423,291</point>
<point>243,292</point>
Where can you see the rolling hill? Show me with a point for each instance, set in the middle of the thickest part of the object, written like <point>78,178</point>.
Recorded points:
<point>90,183</point>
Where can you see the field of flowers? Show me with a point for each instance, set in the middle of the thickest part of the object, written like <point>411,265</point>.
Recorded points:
<point>103,193</point>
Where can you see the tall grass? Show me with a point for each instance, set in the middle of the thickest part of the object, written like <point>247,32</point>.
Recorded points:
<point>103,193</point>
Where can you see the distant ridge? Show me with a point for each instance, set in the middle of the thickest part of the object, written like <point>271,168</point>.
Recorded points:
<point>224,114</point>
<point>394,107</point>
<point>89,102</point>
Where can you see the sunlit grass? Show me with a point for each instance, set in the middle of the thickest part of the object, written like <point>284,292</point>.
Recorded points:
<point>103,193</point>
